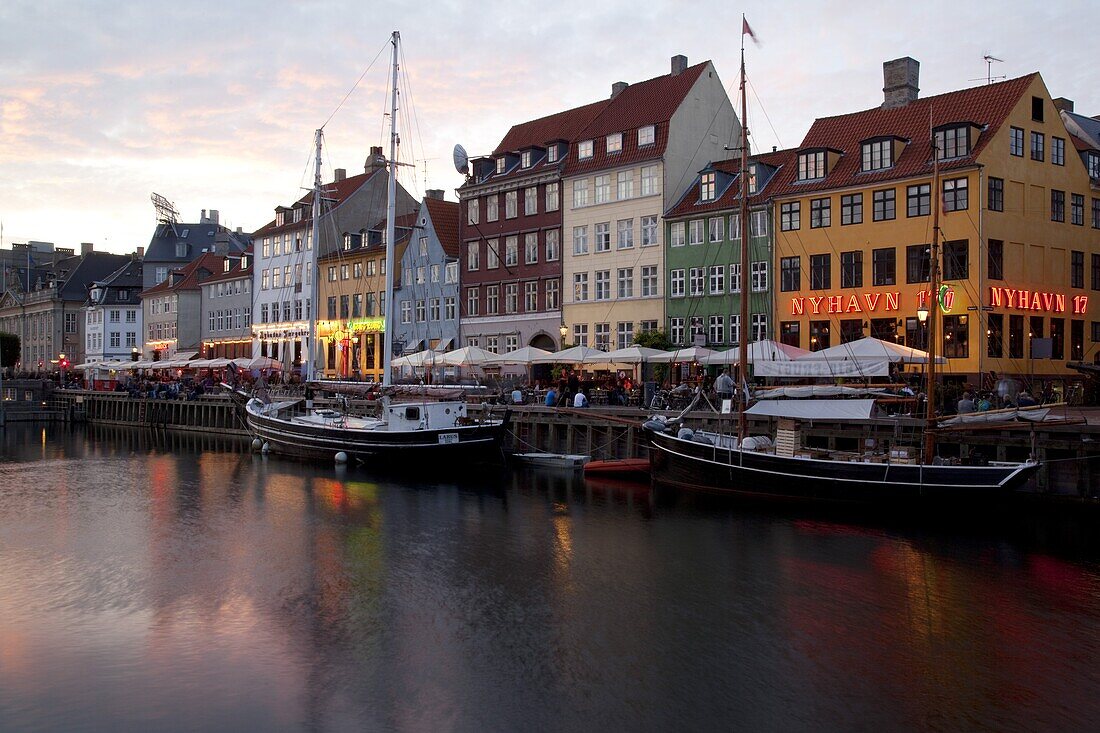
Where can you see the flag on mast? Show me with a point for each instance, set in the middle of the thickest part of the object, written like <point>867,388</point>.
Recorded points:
<point>746,30</point>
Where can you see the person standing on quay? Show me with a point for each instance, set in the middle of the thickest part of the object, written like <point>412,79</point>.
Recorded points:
<point>724,385</point>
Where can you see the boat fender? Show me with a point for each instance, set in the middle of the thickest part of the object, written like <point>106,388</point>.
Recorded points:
<point>257,444</point>
<point>657,426</point>
<point>756,442</point>
<point>685,434</point>
<point>266,448</point>
<point>341,457</point>
<point>700,438</point>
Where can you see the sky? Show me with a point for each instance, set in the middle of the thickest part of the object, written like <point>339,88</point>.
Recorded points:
<point>214,104</point>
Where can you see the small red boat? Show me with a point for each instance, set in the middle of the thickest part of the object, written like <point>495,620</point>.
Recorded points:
<point>624,467</point>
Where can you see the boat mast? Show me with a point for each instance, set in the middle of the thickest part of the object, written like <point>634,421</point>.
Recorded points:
<point>933,304</point>
<point>391,205</point>
<point>311,344</point>
<point>743,346</point>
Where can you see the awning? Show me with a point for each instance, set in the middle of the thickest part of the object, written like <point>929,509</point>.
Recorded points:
<point>805,367</point>
<point>819,390</point>
<point>815,409</point>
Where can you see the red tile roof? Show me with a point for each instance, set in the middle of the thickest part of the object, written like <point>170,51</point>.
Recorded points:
<point>986,106</point>
<point>1080,144</point>
<point>191,272</point>
<point>444,216</point>
<point>690,205</point>
<point>560,126</point>
<point>336,191</point>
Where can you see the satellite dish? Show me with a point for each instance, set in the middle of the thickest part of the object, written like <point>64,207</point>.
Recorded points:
<point>462,160</point>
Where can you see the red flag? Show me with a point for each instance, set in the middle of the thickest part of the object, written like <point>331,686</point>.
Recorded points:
<point>746,30</point>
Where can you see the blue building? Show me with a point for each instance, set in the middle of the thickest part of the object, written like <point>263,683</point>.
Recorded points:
<point>426,300</point>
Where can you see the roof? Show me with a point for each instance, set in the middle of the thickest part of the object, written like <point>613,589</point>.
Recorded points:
<point>126,277</point>
<point>1080,144</point>
<point>1087,129</point>
<point>444,216</point>
<point>84,269</point>
<point>334,193</point>
<point>651,102</point>
<point>729,198</point>
<point>559,126</point>
<point>236,272</point>
<point>192,275</point>
<point>162,247</point>
<point>986,106</point>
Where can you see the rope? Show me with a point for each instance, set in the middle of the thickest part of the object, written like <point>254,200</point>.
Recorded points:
<point>592,450</point>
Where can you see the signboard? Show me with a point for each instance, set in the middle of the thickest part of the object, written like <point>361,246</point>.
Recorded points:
<point>1037,300</point>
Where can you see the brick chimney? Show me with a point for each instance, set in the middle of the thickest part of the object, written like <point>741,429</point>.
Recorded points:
<point>679,64</point>
<point>376,160</point>
<point>214,216</point>
<point>900,79</point>
<point>140,253</point>
<point>434,193</point>
<point>618,88</point>
<point>341,174</point>
<point>86,248</point>
<point>1063,105</point>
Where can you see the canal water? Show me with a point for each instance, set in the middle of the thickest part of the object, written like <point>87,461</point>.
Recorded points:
<point>183,584</point>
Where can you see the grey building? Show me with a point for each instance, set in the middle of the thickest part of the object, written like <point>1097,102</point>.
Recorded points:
<point>226,323</point>
<point>426,304</point>
<point>175,244</point>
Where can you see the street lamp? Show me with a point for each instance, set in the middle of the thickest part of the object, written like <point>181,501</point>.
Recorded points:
<point>134,354</point>
<point>563,331</point>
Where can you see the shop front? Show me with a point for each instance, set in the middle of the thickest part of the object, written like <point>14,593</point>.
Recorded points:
<point>284,342</point>
<point>352,349</point>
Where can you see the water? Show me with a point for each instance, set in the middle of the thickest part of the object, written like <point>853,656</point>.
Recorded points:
<point>189,585</point>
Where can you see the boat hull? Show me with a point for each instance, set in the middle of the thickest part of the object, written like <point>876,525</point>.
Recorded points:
<point>691,465</point>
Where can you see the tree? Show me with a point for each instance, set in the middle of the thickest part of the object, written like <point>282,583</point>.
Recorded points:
<point>653,340</point>
<point>9,350</point>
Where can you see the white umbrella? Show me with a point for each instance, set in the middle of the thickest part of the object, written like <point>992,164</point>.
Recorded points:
<point>419,359</point>
<point>766,350</point>
<point>574,355</point>
<point>692,353</point>
<point>523,355</point>
<point>871,349</point>
<point>633,355</point>
<point>467,356</point>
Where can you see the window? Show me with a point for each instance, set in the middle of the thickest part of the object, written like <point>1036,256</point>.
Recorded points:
<point>1037,143</point>
<point>695,231</point>
<point>883,205</point>
<point>649,281</point>
<point>263,310</point>
<point>1057,150</point>
<point>716,331</point>
<point>626,185</point>
<point>1077,209</point>
<point>820,213</point>
<point>492,344</point>
<point>266,249</point>
<point>877,154</point>
<point>676,330</point>
<point>954,142</point>
<point>492,254</point>
<point>759,276</point>
<point>994,342</point>
<point>553,196</point>
<point>603,189</point>
<point>1096,272</point>
<point>851,269</point>
<point>1015,337</point>
<point>277,276</point>
<point>790,274</point>
<point>626,282</point>
<point>819,335</point>
<point>918,200</point>
<point>580,193</point>
<point>955,194</point>
<point>492,299</point>
<point>649,180</point>
<point>1037,109</point>
<point>811,166</point>
<point>996,194</point>
<point>603,236</point>
<point>917,266</point>
<point>420,279</point>
<point>580,334</point>
<point>331,309</point>
<point>996,259</point>
<point>434,270</point>
<point>821,272</point>
<point>677,235</point>
<point>1092,163</point>
<point>511,204</point>
<point>511,251</point>
<point>553,294</point>
<point>735,227</point>
<point>956,260</point>
<point>851,329</point>
<point>511,297</point>
<point>676,283</point>
<point>625,230</point>
<point>735,277</point>
<point>649,231</point>
<point>696,280</point>
<point>473,301</point>
<point>345,311</point>
<point>789,333</point>
<point>1016,142</point>
<point>956,337</point>
<point>580,287</point>
<point>530,201</point>
<point>1057,205</point>
<point>707,186</point>
<point>851,209</point>
<point>492,204</point>
<point>735,328</point>
<point>580,240</point>
<point>449,312</point>
<point>1077,340</point>
<point>370,305</point>
<point>790,216</point>
<point>602,336</point>
<point>1096,213</point>
<point>473,250</point>
<point>525,159</point>
<point>531,248</point>
<point>500,165</point>
<point>553,245</point>
<point>717,279</point>
<point>626,334</point>
<point>716,228</point>
<point>615,142</point>
<point>552,154</point>
<point>1076,269</point>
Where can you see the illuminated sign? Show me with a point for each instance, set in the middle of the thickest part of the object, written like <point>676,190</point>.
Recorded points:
<point>371,325</point>
<point>946,298</point>
<point>862,303</point>
<point>1036,300</point>
<point>286,331</point>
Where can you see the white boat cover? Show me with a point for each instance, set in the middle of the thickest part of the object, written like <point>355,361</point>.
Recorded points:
<point>574,355</point>
<point>806,367</point>
<point>523,355</point>
<point>1027,414</point>
<point>815,409</point>
<point>818,390</point>
<point>759,351</point>
<point>692,353</point>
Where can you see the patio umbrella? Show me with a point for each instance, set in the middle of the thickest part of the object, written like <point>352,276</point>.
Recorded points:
<point>574,355</point>
<point>523,355</point>
<point>467,356</point>
<point>872,348</point>
<point>633,355</point>
<point>419,359</point>
<point>692,353</point>
<point>766,350</point>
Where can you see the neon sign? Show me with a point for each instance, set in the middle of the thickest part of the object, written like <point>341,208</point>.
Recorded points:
<point>946,298</point>
<point>1036,300</point>
<point>861,303</point>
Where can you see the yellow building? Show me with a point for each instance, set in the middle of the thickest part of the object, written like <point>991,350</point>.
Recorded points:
<point>1020,219</point>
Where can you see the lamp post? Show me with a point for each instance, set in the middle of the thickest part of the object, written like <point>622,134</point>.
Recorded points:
<point>134,354</point>
<point>563,331</point>
<point>922,316</point>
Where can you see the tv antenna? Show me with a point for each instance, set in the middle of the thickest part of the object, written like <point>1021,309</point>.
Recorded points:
<point>989,78</point>
<point>424,162</point>
<point>166,210</point>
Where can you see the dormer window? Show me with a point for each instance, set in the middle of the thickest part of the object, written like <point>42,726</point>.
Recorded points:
<point>226,264</point>
<point>752,179</point>
<point>952,142</point>
<point>280,218</point>
<point>181,249</point>
<point>297,214</point>
<point>584,149</point>
<point>877,155</point>
<point>526,158</point>
<point>707,187</point>
<point>552,154</point>
<point>123,294</point>
<point>1092,162</point>
<point>500,165</point>
<point>347,241</point>
<point>811,166</point>
<point>646,135</point>
<point>615,142</point>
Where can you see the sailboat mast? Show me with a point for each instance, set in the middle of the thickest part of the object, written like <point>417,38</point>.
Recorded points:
<point>743,346</point>
<point>311,340</point>
<point>391,206</point>
<point>933,304</point>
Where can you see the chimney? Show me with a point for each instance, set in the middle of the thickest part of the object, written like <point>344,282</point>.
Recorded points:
<point>434,193</point>
<point>341,174</point>
<point>1063,105</point>
<point>140,253</point>
<point>240,230</point>
<point>86,248</point>
<point>213,216</point>
<point>202,217</point>
<point>618,88</point>
<point>899,79</point>
<point>679,64</point>
<point>375,161</point>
